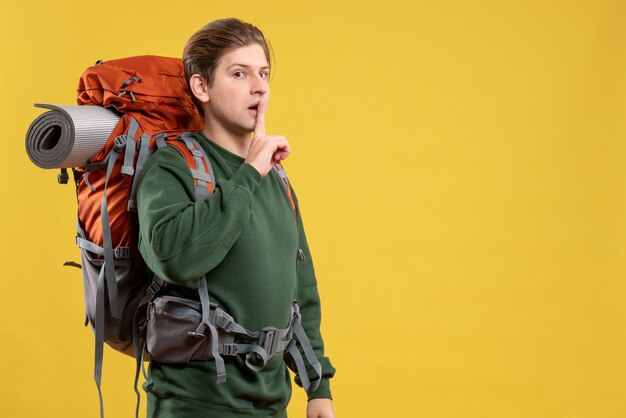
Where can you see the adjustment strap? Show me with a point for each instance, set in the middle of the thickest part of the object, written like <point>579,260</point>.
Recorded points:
<point>160,140</point>
<point>258,353</point>
<point>282,176</point>
<point>144,153</point>
<point>139,348</point>
<point>109,264</point>
<point>99,345</point>
<point>203,173</point>
<point>89,246</point>
<point>228,324</point>
<point>303,341</point>
<point>199,333</point>
<point>120,253</point>
<point>129,153</point>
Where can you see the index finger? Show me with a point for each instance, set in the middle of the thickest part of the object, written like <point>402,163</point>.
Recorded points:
<point>259,124</point>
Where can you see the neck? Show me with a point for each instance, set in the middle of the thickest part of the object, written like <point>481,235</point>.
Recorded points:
<point>238,144</point>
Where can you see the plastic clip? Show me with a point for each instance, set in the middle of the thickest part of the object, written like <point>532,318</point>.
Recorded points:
<point>119,143</point>
<point>230,349</point>
<point>122,253</point>
<point>224,322</point>
<point>269,340</point>
<point>199,332</point>
<point>154,287</point>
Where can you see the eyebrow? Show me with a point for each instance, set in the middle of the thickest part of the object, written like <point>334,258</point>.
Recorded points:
<point>246,66</point>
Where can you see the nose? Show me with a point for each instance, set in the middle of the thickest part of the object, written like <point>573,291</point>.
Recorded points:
<point>260,85</point>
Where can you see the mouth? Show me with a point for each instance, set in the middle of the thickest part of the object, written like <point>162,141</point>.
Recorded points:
<point>254,108</point>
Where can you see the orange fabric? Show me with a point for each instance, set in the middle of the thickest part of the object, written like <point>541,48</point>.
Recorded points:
<point>160,102</point>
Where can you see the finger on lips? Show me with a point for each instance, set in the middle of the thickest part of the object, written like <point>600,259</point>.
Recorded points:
<point>259,125</point>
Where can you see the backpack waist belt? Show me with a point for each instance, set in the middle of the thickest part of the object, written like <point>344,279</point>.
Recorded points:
<point>181,330</point>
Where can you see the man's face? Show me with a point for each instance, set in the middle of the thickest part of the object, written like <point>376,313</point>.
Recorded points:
<point>240,81</point>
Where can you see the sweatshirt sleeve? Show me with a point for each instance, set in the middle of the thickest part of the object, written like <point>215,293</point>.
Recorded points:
<point>181,238</point>
<point>309,301</point>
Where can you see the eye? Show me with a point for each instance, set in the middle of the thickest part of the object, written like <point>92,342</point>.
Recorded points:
<point>264,74</point>
<point>238,74</point>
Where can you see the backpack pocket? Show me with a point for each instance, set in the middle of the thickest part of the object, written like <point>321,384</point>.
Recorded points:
<point>118,333</point>
<point>171,320</point>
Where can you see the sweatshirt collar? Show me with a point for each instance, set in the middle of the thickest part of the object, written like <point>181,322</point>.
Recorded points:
<point>229,157</point>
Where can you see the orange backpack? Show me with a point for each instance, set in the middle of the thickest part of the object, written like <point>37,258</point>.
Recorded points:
<point>151,94</point>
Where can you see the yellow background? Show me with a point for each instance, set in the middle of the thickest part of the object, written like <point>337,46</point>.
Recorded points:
<point>461,167</point>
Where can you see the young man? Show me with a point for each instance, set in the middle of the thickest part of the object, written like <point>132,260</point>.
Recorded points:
<point>246,238</point>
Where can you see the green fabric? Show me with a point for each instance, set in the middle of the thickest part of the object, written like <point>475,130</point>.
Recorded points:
<point>245,238</point>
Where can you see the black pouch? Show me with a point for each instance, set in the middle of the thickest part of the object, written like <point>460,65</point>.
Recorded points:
<point>172,322</point>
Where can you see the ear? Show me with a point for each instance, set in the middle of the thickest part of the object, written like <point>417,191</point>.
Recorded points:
<point>199,88</point>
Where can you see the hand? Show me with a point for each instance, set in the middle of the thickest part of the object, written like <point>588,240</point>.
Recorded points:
<point>265,150</point>
<point>320,408</point>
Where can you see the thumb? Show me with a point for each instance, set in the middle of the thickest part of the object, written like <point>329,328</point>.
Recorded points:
<point>259,125</point>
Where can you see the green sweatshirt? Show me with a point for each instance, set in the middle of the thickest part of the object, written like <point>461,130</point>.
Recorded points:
<point>245,239</point>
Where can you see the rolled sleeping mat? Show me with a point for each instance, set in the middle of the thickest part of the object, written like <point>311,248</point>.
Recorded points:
<point>68,136</point>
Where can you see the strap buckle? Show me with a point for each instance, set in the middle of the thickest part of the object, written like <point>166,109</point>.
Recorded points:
<point>119,143</point>
<point>122,253</point>
<point>229,349</point>
<point>154,287</point>
<point>269,340</point>
<point>296,311</point>
<point>199,332</point>
<point>224,321</point>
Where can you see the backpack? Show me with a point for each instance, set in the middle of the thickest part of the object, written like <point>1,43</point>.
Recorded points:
<point>151,94</point>
<point>120,292</point>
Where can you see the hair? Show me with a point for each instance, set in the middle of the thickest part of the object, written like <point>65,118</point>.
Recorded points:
<point>204,49</point>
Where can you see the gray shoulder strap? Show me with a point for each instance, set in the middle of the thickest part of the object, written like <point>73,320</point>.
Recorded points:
<point>144,153</point>
<point>203,174</point>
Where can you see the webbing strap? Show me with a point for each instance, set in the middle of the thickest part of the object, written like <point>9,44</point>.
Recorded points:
<point>144,153</point>
<point>151,291</point>
<point>137,346</point>
<point>304,342</point>
<point>199,157</point>
<point>257,352</point>
<point>160,140</point>
<point>92,167</point>
<point>129,157</point>
<point>282,176</point>
<point>204,301</point>
<point>129,152</point>
<point>197,153</point>
<point>120,253</point>
<point>201,176</point>
<point>99,325</point>
<point>143,368</point>
<point>203,173</point>
<point>109,264</point>
<point>297,358</point>
<point>138,350</point>
<point>228,324</point>
<point>280,171</point>
<point>86,178</point>
<point>89,246</point>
